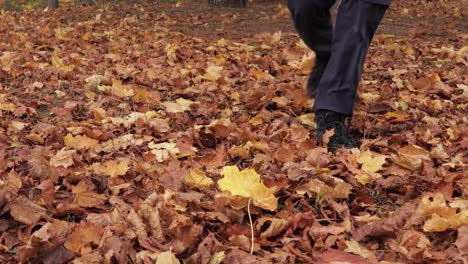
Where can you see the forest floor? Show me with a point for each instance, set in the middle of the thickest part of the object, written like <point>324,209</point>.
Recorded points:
<point>159,133</point>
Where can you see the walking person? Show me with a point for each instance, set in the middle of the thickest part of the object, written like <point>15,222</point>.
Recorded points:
<point>341,52</point>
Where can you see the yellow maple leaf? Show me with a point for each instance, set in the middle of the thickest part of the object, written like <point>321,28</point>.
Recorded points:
<point>197,178</point>
<point>63,158</point>
<point>79,142</point>
<point>247,183</point>
<point>371,161</point>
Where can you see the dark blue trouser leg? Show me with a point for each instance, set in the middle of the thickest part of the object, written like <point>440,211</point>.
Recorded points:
<point>313,23</point>
<point>356,23</point>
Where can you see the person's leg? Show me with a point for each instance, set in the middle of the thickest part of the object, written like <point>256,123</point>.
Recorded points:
<point>356,23</point>
<point>313,23</point>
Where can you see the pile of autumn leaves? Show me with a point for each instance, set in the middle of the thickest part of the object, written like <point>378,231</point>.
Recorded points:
<point>123,141</point>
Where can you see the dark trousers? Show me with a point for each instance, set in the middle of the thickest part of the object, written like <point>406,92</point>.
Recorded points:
<point>343,49</point>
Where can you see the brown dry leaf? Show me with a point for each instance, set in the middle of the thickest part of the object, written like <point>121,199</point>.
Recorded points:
<point>150,213</point>
<point>317,187</point>
<point>213,73</point>
<point>121,143</point>
<point>237,256</point>
<point>442,216</point>
<point>9,187</point>
<point>241,151</point>
<point>276,226</point>
<point>181,105</point>
<point>89,199</point>
<point>83,237</point>
<point>63,158</point>
<point>92,258</point>
<point>139,226</point>
<point>412,243</point>
<point>114,168</point>
<point>5,106</point>
<point>386,226</point>
<point>209,250</point>
<point>411,157</point>
<point>167,257</point>
<point>25,211</point>
<point>120,90</point>
<point>164,151</point>
<point>79,142</point>
<point>318,231</point>
<point>215,158</point>
<point>332,256</point>
<point>47,241</point>
<point>352,246</point>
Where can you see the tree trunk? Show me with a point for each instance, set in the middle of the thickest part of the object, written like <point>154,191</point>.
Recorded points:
<point>52,4</point>
<point>230,3</point>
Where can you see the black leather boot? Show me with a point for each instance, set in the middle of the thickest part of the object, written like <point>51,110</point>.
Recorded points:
<point>327,120</point>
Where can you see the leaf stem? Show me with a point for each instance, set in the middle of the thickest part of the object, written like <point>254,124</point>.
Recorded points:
<point>251,227</point>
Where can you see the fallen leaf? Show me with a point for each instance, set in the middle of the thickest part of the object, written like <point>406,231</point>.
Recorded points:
<point>167,257</point>
<point>48,240</point>
<point>371,161</point>
<point>332,256</point>
<point>340,189</point>
<point>79,142</point>
<point>247,183</point>
<point>25,211</point>
<point>213,73</point>
<point>164,151</point>
<point>275,226</point>
<point>411,157</point>
<point>63,158</point>
<point>83,237</point>
<point>197,178</point>
<point>352,246</point>
<point>89,199</point>
<point>114,168</point>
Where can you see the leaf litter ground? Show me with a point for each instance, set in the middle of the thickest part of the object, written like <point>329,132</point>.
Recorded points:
<point>158,133</point>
